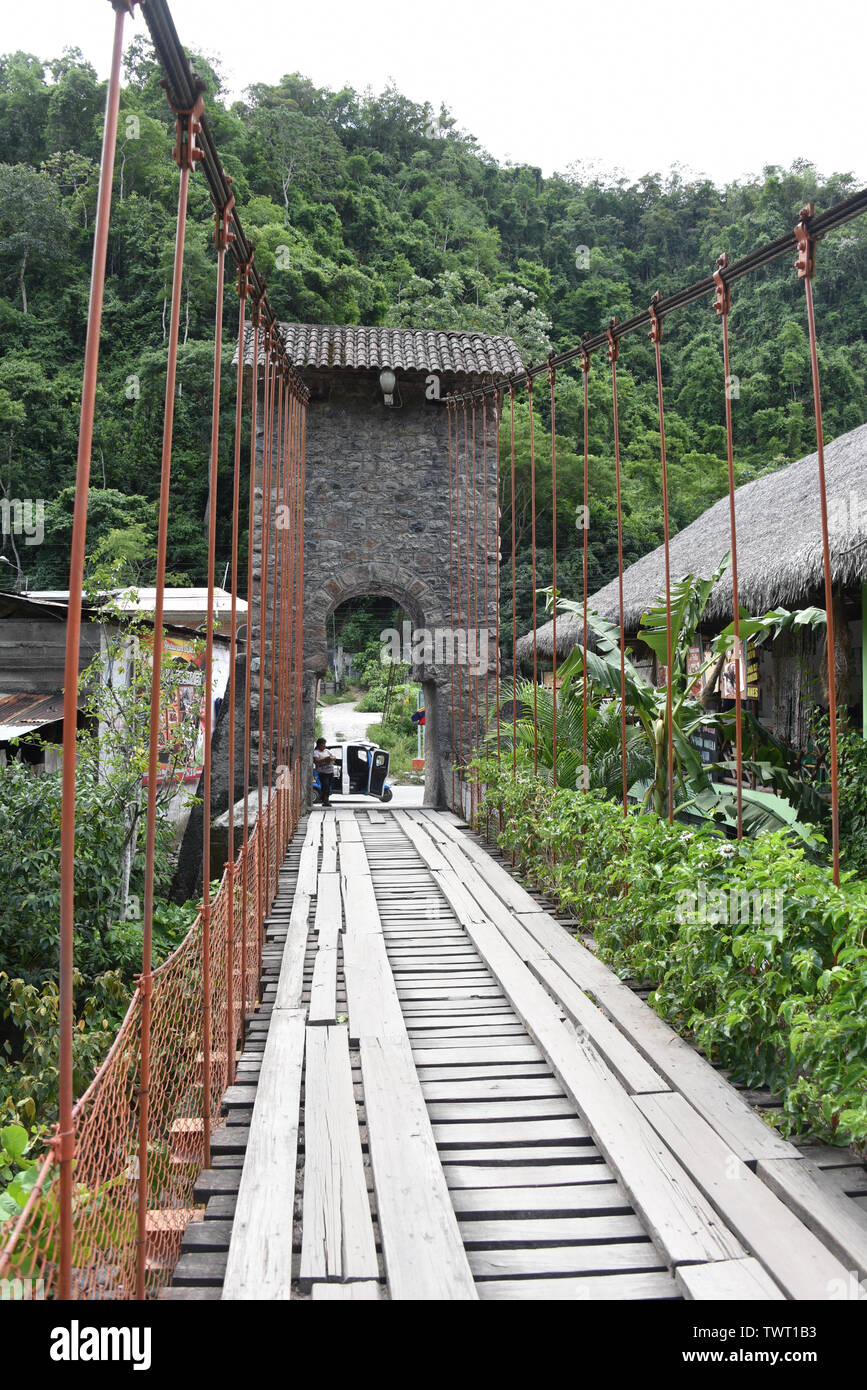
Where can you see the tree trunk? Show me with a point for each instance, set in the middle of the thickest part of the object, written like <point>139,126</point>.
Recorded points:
<point>21,285</point>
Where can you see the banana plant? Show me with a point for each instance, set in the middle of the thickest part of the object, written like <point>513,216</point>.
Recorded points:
<point>602,769</point>
<point>648,706</point>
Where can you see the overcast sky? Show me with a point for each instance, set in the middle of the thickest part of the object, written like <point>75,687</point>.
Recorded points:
<point>720,87</point>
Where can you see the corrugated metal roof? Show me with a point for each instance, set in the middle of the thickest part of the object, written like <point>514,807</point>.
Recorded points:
<point>402,349</point>
<point>23,712</point>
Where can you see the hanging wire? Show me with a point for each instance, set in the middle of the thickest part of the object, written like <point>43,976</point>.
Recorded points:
<point>613,354</point>
<point>533,551</point>
<point>64,1140</point>
<point>552,379</point>
<point>723,306</point>
<point>514,595</point>
<point>452,711</point>
<point>585,519</point>
<point>185,137</point>
<point>656,339</point>
<point>806,268</point>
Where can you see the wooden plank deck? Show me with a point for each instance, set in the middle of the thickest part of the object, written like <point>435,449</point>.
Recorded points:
<point>443,1095</point>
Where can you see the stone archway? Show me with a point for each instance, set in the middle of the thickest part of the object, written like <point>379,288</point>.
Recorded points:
<point>424,609</point>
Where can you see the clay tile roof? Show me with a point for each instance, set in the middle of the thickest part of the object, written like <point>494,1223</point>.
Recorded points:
<point>404,349</point>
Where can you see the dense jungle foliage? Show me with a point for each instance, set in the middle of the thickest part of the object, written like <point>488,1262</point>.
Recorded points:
<point>369,208</point>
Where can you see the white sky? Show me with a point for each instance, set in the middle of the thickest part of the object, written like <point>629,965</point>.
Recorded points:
<point>721,87</point>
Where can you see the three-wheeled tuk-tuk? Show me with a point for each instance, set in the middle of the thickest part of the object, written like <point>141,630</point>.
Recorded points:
<point>360,769</point>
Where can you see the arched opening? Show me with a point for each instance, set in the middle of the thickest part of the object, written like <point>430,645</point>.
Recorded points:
<point>368,697</point>
<point>405,607</point>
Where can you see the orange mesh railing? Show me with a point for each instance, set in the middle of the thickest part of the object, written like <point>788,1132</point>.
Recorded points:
<point>106,1253</point>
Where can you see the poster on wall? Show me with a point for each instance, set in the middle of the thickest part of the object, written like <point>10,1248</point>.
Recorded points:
<point>184,717</point>
<point>737,671</point>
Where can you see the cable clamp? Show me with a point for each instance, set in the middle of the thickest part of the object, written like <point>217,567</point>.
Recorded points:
<point>805,263</point>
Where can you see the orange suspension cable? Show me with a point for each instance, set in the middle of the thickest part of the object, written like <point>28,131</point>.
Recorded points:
<point>475,724</point>
<point>248,681</point>
<point>222,237</point>
<point>64,1139</point>
<point>552,378</point>
<point>806,268</point>
<point>514,596</point>
<point>243,290</point>
<point>186,130</point>
<point>585,519</point>
<point>533,548</point>
<point>723,306</point>
<point>451,592</point>
<point>613,354</point>
<point>656,339</point>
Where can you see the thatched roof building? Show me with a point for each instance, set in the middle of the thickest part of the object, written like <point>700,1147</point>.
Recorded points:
<point>779,548</point>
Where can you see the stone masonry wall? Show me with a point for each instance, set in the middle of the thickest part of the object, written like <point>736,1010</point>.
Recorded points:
<point>377,522</point>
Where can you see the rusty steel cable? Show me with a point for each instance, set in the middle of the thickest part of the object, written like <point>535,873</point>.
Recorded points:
<point>243,287</point>
<point>185,134</point>
<point>585,520</point>
<point>723,307</point>
<point>475,571</point>
<point>514,593</point>
<point>613,354</point>
<point>452,711</point>
<point>64,1140</point>
<point>533,552</point>
<point>656,339</point>
<point>221,238</point>
<point>459,612</point>
<point>248,680</point>
<point>805,265</point>
<point>552,379</point>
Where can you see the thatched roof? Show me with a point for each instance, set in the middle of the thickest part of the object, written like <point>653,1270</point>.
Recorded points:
<point>779,546</point>
<point>403,349</point>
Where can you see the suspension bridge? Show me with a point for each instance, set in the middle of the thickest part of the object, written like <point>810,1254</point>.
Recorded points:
<point>380,1066</point>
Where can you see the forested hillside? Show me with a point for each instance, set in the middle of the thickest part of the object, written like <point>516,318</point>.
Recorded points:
<point>371,209</point>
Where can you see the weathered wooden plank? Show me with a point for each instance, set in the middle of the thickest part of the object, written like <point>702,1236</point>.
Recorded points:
<point>568,1130</point>
<point>290,985</point>
<point>260,1255</point>
<point>537,1154</point>
<point>349,830</point>
<point>595,1288</point>
<point>679,1064</point>
<point>371,997</point>
<point>449,1112</point>
<point>329,845</point>
<point>329,915</point>
<point>360,910</point>
<point>346,1293</point>
<point>497,878</point>
<point>491,1088</point>
<point>421,1242</point>
<point>523,1175</point>
<point>728,1280</point>
<point>467,1057</point>
<point>353,860</point>
<point>677,1214</point>
<point>571,1200</point>
<point>565,1259</point>
<point>337,1228</point>
<point>634,1072</point>
<point>792,1255</point>
<point>539,1230</point>
<point>834,1218</point>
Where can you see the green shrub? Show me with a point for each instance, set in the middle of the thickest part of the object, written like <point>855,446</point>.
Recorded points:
<point>750,948</point>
